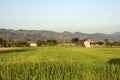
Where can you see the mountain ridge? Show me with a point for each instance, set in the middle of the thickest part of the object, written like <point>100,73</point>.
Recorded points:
<point>116,33</point>
<point>22,34</point>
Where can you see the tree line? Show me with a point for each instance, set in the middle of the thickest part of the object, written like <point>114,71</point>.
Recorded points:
<point>51,42</point>
<point>13,43</point>
<point>110,44</point>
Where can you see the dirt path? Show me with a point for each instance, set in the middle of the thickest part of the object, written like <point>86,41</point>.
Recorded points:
<point>3,48</point>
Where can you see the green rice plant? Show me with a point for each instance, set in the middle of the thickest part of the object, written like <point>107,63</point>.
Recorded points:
<point>60,63</point>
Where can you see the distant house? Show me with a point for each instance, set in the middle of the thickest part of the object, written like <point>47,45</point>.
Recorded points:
<point>88,42</point>
<point>32,43</point>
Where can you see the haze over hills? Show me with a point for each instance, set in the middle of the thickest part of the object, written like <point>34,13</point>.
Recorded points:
<point>116,33</point>
<point>20,34</point>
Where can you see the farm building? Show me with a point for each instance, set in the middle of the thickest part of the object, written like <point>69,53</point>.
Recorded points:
<point>89,42</point>
<point>32,43</point>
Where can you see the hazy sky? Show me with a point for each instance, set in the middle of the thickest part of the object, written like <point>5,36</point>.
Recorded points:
<point>88,16</point>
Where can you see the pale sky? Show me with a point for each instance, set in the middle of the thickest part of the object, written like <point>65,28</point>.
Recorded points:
<point>87,16</point>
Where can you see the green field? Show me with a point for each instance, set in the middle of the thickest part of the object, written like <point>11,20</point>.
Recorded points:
<point>60,63</point>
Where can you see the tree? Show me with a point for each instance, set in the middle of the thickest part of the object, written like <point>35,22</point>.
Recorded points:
<point>116,43</point>
<point>107,43</point>
<point>74,40</point>
<point>40,42</point>
<point>10,43</point>
<point>52,42</point>
<point>100,42</point>
<point>21,44</point>
<point>2,42</point>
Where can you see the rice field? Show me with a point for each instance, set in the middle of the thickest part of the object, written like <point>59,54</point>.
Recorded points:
<point>60,63</point>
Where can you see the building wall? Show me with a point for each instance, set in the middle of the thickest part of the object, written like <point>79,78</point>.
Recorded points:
<point>33,44</point>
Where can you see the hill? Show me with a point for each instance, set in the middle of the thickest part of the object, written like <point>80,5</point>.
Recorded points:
<point>116,33</point>
<point>21,34</point>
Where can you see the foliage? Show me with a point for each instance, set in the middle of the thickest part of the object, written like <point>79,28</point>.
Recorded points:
<point>107,43</point>
<point>21,44</point>
<point>74,40</point>
<point>2,42</point>
<point>100,42</point>
<point>40,43</point>
<point>11,43</point>
<point>116,43</point>
<point>110,44</point>
<point>51,42</point>
<point>60,63</point>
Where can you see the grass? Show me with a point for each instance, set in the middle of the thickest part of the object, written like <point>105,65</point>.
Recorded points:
<point>60,63</point>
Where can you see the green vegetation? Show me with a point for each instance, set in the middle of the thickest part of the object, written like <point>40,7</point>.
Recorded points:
<point>74,40</point>
<point>60,63</point>
<point>12,43</point>
<point>40,43</point>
